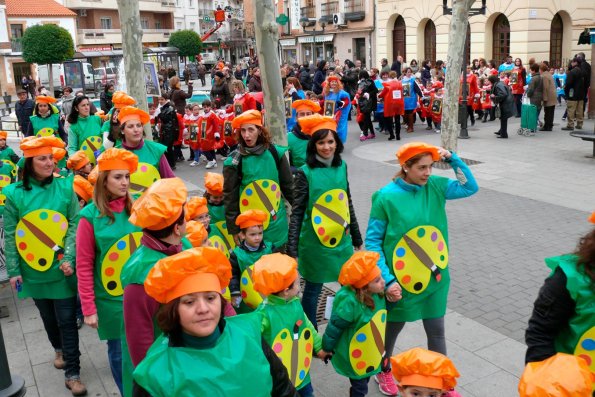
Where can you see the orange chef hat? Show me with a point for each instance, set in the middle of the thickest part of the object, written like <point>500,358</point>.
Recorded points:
<point>131,113</point>
<point>117,159</point>
<point>411,149</point>
<point>251,218</point>
<point>40,146</point>
<point>93,175</point>
<point>121,99</point>
<point>194,270</point>
<point>3,134</point>
<point>360,269</point>
<point>45,99</point>
<point>305,104</point>
<point>77,161</point>
<point>58,154</point>
<point>160,205</point>
<point>248,117</point>
<point>311,124</point>
<point>437,84</point>
<point>274,273</point>
<point>196,233</point>
<point>425,368</point>
<point>214,183</point>
<point>83,188</point>
<point>562,375</point>
<point>196,206</point>
<point>592,217</point>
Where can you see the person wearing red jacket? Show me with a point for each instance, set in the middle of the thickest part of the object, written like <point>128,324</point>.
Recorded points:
<point>394,105</point>
<point>436,105</point>
<point>517,82</point>
<point>209,129</point>
<point>472,92</point>
<point>242,100</point>
<point>484,98</point>
<point>230,139</point>
<point>425,103</point>
<point>193,137</point>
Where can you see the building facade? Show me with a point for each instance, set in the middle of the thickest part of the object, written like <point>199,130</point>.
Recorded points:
<point>544,30</point>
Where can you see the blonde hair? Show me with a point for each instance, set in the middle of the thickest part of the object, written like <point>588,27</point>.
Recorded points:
<point>102,197</point>
<point>327,86</point>
<point>238,84</point>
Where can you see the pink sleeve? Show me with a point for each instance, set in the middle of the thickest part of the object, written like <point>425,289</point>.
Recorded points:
<point>228,310</point>
<point>85,264</point>
<point>139,311</point>
<point>164,169</point>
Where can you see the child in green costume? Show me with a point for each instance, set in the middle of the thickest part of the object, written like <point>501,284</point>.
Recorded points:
<point>355,333</point>
<point>284,324</point>
<point>243,257</point>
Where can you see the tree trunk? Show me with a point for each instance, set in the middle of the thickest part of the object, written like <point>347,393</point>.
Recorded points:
<point>132,47</point>
<point>51,80</point>
<point>267,39</point>
<point>454,61</point>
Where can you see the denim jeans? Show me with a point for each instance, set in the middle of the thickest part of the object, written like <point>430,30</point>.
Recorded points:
<point>114,355</point>
<point>59,321</point>
<point>359,387</point>
<point>306,391</point>
<point>310,300</point>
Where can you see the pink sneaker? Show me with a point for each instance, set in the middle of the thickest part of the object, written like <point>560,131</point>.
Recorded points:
<point>386,383</point>
<point>452,393</point>
<point>372,136</point>
<point>362,137</point>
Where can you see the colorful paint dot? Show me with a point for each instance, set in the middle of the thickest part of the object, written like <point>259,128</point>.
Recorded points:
<point>588,344</point>
<point>84,147</point>
<point>587,358</point>
<point>114,256</point>
<point>43,216</point>
<point>434,236</point>
<point>245,202</point>
<point>244,294</point>
<point>399,265</point>
<point>29,257</point>
<point>278,194</point>
<point>442,257</point>
<point>274,188</point>
<point>245,280</point>
<point>325,239</point>
<point>63,226</point>
<point>109,271</point>
<point>248,192</point>
<point>341,196</point>
<point>361,337</point>
<point>421,232</point>
<point>302,374</point>
<point>307,362</point>
<point>284,334</point>
<point>317,219</point>
<point>308,347</point>
<point>56,218</point>
<point>328,198</point>
<point>144,168</point>
<point>21,233</point>
<point>357,353</point>
<point>333,241</point>
<point>400,252</point>
<point>441,246</point>
<point>223,225</point>
<point>265,184</point>
<point>277,348</point>
<point>383,317</point>
<point>360,365</point>
<point>406,279</point>
<point>121,245</point>
<point>321,231</point>
<point>22,246</point>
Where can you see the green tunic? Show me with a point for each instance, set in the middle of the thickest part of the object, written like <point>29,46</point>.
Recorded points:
<point>359,350</point>
<point>260,189</point>
<point>46,126</point>
<point>246,259</point>
<point>217,212</point>
<point>234,367</point>
<point>7,155</point>
<point>149,156</point>
<point>85,135</point>
<point>324,242</point>
<point>291,336</point>
<point>40,226</point>
<point>6,178</point>
<point>578,337</point>
<point>297,148</point>
<point>114,244</point>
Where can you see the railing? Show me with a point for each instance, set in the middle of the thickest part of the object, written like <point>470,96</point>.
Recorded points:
<point>308,12</point>
<point>329,8</point>
<point>16,44</point>
<point>355,6</point>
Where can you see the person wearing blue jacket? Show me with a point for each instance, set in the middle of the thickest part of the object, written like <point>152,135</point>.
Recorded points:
<point>334,92</point>
<point>560,80</point>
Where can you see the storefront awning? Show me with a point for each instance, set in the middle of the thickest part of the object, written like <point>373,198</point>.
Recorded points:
<point>319,39</point>
<point>287,42</point>
<point>157,50</point>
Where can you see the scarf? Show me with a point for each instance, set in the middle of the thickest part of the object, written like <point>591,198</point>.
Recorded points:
<point>160,246</point>
<point>326,162</point>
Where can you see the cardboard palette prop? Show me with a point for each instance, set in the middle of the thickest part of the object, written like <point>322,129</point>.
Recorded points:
<point>262,194</point>
<point>330,217</point>
<point>114,260</point>
<point>367,345</point>
<point>295,351</point>
<point>40,238</point>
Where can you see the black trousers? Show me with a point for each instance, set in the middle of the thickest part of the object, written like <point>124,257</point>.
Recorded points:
<point>388,124</point>
<point>366,125</point>
<point>548,117</point>
<point>170,155</point>
<point>504,127</point>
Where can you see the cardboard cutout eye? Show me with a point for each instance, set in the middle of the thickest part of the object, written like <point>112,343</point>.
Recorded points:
<point>419,255</point>
<point>330,217</point>
<point>144,177</point>
<point>40,238</point>
<point>114,260</point>
<point>367,345</point>
<point>47,131</point>
<point>226,294</point>
<point>585,349</point>
<point>90,146</point>
<point>263,194</point>
<point>249,295</point>
<point>230,244</point>
<point>295,351</point>
<point>217,242</point>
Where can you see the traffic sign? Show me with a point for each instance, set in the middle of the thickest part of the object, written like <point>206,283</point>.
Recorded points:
<point>206,18</point>
<point>282,19</point>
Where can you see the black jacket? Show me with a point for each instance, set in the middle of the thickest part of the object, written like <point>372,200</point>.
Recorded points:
<point>105,102</point>
<point>552,312</point>
<point>504,99</point>
<point>169,129</point>
<point>574,90</point>
<point>220,95</point>
<point>349,80</point>
<point>396,66</point>
<point>305,79</point>
<point>586,68</point>
<point>298,210</point>
<point>24,111</point>
<point>367,105</point>
<point>319,78</point>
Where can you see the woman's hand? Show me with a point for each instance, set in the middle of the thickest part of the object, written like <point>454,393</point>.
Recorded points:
<point>15,280</point>
<point>92,321</point>
<point>66,269</point>
<point>393,293</point>
<point>236,239</point>
<point>446,154</point>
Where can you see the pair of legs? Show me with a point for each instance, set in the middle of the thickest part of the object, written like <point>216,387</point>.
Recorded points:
<point>518,103</point>
<point>170,155</point>
<point>359,387</point>
<point>366,125</point>
<point>306,391</point>
<point>548,117</point>
<point>503,127</point>
<point>59,321</point>
<point>575,113</point>
<point>310,300</point>
<point>395,121</point>
<point>114,355</point>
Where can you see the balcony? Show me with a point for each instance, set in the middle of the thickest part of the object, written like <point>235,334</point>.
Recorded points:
<point>355,10</point>
<point>161,6</point>
<point>112,36</point>
<point>310,13</point>
<point>16,44</point>
<point>327,10</point>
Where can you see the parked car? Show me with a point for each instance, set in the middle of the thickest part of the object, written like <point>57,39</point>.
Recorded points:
<point>60,80</point>
<point>104,76</point>
<point>193,71</point>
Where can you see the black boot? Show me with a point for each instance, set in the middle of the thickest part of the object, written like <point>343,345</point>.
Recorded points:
<point>485,117</point>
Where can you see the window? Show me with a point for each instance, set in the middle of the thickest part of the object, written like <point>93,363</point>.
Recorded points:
<point>106,23</point>
<point>157,24</point>
<point>191,3</point>
<point>556,34</point>
<point>16,30</point>
<point>399,39</point>
<point>144,23</point>
<point>501,39</point>
<point>192,25</point>
<point>430,41</point>
<point>178,25</point>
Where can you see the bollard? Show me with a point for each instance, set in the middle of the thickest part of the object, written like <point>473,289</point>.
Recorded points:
<point>10,386</point>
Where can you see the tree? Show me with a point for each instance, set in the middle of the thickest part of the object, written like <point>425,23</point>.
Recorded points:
<point>46,45</point>
<point>187,41</point>
<point>454,61</point>
<point>132,47</point>
<point>267,42</point>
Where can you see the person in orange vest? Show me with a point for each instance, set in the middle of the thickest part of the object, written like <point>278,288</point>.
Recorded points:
<point>517,82</point>
<point>425,103</point>
<point>472,92</point>
<point>394,105</point>
<point>210,136</point>
<point>436,105</point>
<point>485,101</point>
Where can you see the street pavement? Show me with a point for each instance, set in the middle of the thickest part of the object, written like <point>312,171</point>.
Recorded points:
<point>535,196</point>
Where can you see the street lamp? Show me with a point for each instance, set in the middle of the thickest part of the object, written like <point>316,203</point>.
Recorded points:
<point>463,110</point>
<point>304,21</point>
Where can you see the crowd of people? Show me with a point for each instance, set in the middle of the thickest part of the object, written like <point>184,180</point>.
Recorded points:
<point>97,226</point>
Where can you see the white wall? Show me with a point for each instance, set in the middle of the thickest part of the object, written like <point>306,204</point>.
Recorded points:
<point>3,26</point>
<point>67,23</point>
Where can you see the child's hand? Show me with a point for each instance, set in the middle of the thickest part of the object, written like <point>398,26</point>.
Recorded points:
<point>393,293</point>
<point>323,354</point>
<point>236,300</point>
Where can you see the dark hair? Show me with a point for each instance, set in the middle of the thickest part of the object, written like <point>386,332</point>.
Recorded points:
<point>493,78</point>
<point>535,67</point>
<point>107,87</point>
<point>29,173</point>
<point>165,95</point>
<point>363,74</point>
<point>206,102</point>
<point>311,148</point>
<point>167,231</point>
<point>73,117</point>
<point>67,88</point>
<point>36,109</point>
<point>586,254</point>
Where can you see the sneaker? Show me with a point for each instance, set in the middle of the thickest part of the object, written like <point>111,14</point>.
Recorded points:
<point>76,387</point>
<point>211,164</point>
<point>438,131</point>
<point>386,383</point>
<point>428,128</point>
<point>194,164</point>
<point>362,137</point>
<point>59,361</point>
<point>372,136</point>
<point>563,118</point>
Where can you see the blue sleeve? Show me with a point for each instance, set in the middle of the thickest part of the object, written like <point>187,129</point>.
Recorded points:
<point>465,184</point>
<point>374,239</point>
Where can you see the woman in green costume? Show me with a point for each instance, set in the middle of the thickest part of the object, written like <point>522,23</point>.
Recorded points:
<point>84,129</point>
<point>324,229</point>
<point>105,240</point>
<point>563,319</point>
<point>257,176</point>
<point>40,219</point>
<point>200,353</point>
<point>159,212</point>
<point>7,155</point>
<point>408,228</point>
<point>45,121</point>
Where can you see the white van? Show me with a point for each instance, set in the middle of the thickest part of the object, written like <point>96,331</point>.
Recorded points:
<point>60,80</point>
